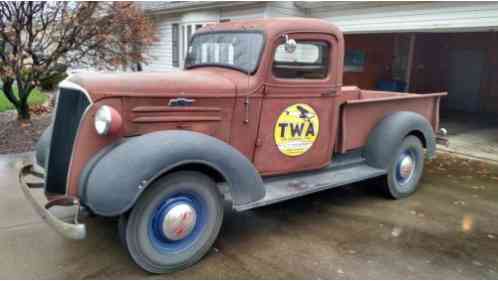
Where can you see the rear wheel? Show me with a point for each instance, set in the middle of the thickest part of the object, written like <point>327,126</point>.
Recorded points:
<point>405,169</point>
<point>174,223</point>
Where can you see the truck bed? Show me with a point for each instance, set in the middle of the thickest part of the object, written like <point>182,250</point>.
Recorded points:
<point>361,110</point>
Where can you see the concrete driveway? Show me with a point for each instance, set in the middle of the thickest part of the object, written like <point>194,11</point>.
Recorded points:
<point>448,230</point>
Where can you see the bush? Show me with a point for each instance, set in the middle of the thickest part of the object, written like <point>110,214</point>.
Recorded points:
<point>52,81</point>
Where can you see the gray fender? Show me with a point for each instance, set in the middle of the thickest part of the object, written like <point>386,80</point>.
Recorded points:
<point>386,137</point>
<point>42,147</point>
<point>113,180</point>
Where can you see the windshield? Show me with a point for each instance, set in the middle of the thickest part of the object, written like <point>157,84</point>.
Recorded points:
<point>239,50</point>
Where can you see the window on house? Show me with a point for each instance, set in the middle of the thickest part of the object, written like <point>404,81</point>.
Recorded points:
<point>310,60</point>
<point>175,41</point>
<point>180,38</point>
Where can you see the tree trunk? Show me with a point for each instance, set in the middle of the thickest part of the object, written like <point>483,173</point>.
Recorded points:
<point>23,107</point>
<point>23,111</point>
<point>21,103</point>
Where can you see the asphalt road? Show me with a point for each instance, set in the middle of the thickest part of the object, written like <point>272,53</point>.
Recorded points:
<point>447,230</point>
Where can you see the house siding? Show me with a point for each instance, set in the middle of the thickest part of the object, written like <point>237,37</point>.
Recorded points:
<point>161,51</point>
<point>248,12</point>
<point>284,9</point>
<point>429,16</point>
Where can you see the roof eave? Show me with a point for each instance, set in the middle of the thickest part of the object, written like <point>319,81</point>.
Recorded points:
<point>198,6</point>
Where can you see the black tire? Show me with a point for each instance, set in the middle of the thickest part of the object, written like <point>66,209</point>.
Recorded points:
<point>396,186</point>
<point>158,254</point>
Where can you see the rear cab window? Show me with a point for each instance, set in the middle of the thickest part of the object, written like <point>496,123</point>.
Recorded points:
<point>310,60</point>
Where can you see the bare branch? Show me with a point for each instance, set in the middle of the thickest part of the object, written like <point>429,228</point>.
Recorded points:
<point>38,37</point>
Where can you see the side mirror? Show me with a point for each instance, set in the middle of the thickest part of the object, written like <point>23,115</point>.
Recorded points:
<point>290,45</point>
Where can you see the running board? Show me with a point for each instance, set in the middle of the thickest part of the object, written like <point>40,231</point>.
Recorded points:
<point>281,188</point>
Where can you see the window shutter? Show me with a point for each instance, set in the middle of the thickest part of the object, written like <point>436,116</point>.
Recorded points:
<point>175,46</point>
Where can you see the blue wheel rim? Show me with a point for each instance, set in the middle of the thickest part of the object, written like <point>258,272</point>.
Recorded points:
<point>156,236</point>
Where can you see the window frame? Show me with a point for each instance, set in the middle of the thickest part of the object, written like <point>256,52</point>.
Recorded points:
<point>329,64</point>
<point>260,55</point>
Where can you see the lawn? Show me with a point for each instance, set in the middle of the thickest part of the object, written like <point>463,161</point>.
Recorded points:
<point>36,97</point>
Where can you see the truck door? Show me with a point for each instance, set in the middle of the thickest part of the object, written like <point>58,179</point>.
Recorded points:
<point>298,115</point>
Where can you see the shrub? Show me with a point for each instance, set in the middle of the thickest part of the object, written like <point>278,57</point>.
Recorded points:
<point>52,81</point>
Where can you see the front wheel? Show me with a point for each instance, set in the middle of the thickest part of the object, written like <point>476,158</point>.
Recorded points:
<point>174,223</point>
<point>405,169</point>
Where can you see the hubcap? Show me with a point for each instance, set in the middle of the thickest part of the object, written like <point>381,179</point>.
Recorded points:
<point>179,221</point>
<point>406,167</point>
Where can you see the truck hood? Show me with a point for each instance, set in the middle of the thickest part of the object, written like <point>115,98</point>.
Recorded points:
<point>195,82</point>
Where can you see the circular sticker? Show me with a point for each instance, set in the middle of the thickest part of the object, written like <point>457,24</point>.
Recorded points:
<point>296,129</point>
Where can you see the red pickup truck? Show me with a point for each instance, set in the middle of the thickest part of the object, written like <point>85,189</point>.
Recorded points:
<point>259,115</point>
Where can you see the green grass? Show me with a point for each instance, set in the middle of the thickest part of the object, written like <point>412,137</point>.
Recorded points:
<point>36,97</point>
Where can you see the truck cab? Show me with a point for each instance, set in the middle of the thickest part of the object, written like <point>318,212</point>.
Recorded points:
<point>259,115</point>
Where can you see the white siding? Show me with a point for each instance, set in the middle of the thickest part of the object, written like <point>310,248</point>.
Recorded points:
<point>161,51</point>
<point>394,17</point>
<point>284,9</point>
<point>254,11</point>
<point>200,16</point>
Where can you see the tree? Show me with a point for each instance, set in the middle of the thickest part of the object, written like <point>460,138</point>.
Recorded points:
<point>40,39</point>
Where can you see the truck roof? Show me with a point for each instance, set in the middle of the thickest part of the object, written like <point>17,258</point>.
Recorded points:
<point>277,26</point>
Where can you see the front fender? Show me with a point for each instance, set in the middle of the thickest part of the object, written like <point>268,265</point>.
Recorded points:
<point>113,180</point>
<point>43,146</point>
<point>386,137</point>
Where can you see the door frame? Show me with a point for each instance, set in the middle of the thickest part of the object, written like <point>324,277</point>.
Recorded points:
<point>281,93</point>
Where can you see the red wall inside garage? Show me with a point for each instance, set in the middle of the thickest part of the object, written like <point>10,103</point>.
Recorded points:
<point>379,50</point>
<point>431,63</point>
<point>429,72</point>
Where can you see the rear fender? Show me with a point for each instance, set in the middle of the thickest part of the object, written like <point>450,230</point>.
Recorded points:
<point>386,137</point>
<point>114,179</point>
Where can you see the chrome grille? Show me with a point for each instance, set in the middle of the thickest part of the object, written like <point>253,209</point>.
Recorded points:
<point>71,105</point>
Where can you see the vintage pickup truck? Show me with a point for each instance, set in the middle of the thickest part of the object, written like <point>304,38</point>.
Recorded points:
<point>259,115</point>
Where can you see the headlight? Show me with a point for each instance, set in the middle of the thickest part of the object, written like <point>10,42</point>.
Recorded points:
<point>107,120</point>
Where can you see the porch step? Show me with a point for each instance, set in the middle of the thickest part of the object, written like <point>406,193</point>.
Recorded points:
<point>281,188</point>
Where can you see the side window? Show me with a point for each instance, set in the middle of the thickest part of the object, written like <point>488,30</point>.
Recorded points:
<point>310,60</point>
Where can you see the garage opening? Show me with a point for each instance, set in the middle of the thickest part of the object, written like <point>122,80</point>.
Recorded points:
<point>465,64</point>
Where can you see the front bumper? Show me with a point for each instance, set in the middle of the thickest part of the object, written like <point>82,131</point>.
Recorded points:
<point>76,230</point>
